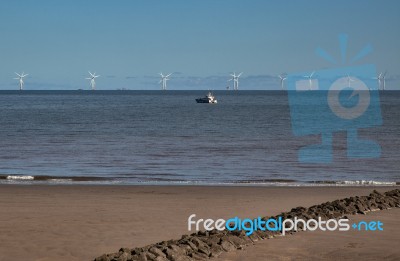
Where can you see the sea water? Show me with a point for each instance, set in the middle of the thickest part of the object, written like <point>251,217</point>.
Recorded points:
<point>165,137</point>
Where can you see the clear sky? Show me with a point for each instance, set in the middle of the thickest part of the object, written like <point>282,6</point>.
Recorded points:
<point>129,42</point>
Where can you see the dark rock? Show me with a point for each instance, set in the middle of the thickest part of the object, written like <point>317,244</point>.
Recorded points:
<point>186,248</point>
<point>212,240</point>
<point>150,256</point>
<point>376,193</point>
<point>156,251</point>
<point>124,256</point>
<point>203,233</point>
<point>198,243</point>
<point>204,250</point>
<point>216,250</point>
<point>192,246</point>
<point>239,242</point>
<point>142,257</point>
<point>227,246</point>
<point>159,258</point>
<point>199,256</point>
<point>178,249</point>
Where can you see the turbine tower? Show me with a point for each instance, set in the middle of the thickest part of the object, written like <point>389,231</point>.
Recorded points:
<point>349,80</point>
<point>163,81</point>
<point>21,80</point>
<point>235,79</point>
<point>282,77</point>
<point>383,78</point>
<point>92,78</point>
<point>379,78</point>
<point>310,79</point>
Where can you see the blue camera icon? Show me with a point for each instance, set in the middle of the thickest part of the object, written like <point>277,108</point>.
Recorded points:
<point>331,100</point>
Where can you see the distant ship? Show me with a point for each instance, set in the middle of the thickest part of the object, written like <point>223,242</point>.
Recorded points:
<point>208,99</point>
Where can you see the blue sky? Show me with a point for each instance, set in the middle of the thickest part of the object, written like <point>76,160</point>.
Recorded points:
<point>129,42</point>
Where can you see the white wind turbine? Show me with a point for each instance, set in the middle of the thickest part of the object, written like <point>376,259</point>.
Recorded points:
<point>92,78</point>
<point>21,80</point>
<point>310,78</point>
<point>379,78</point>
<point>349,80</point>
<point>235,79</point>
<point>163,81</point>
<point>282,77</point>
<point>383,78</point>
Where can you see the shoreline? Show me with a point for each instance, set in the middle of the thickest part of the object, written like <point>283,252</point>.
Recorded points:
<point>82,222</point>
<point>15,179</point>
<point>110,182</point>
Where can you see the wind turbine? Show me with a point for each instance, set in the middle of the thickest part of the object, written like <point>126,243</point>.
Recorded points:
<point>92,78</point>
<point>163,81</point>
<point>310,79</point>
<point>282,77</point>
<point>21,80</point>
<point>383,78</point>
<point>379,78</point>
<point>349,80</point>
<point>235,79</point>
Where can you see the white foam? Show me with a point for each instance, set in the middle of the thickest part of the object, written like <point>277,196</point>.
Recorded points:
<point>20,177</point>
<point>367,182</point>
<point>60,180</point>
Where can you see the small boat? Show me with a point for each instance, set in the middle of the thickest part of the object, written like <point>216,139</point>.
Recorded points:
<point>208,99</point>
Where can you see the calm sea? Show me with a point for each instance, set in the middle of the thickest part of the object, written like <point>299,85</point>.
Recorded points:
<point>155,137</point>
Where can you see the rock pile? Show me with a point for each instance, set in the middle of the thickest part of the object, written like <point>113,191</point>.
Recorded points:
<point>205,245</point>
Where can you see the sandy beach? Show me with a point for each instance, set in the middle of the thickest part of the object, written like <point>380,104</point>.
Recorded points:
<point>83,222</point>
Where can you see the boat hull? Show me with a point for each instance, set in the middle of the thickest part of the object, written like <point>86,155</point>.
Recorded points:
<point>205,101</point>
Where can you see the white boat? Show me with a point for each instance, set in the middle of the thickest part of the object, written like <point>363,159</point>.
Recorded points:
<point>208,99</point>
